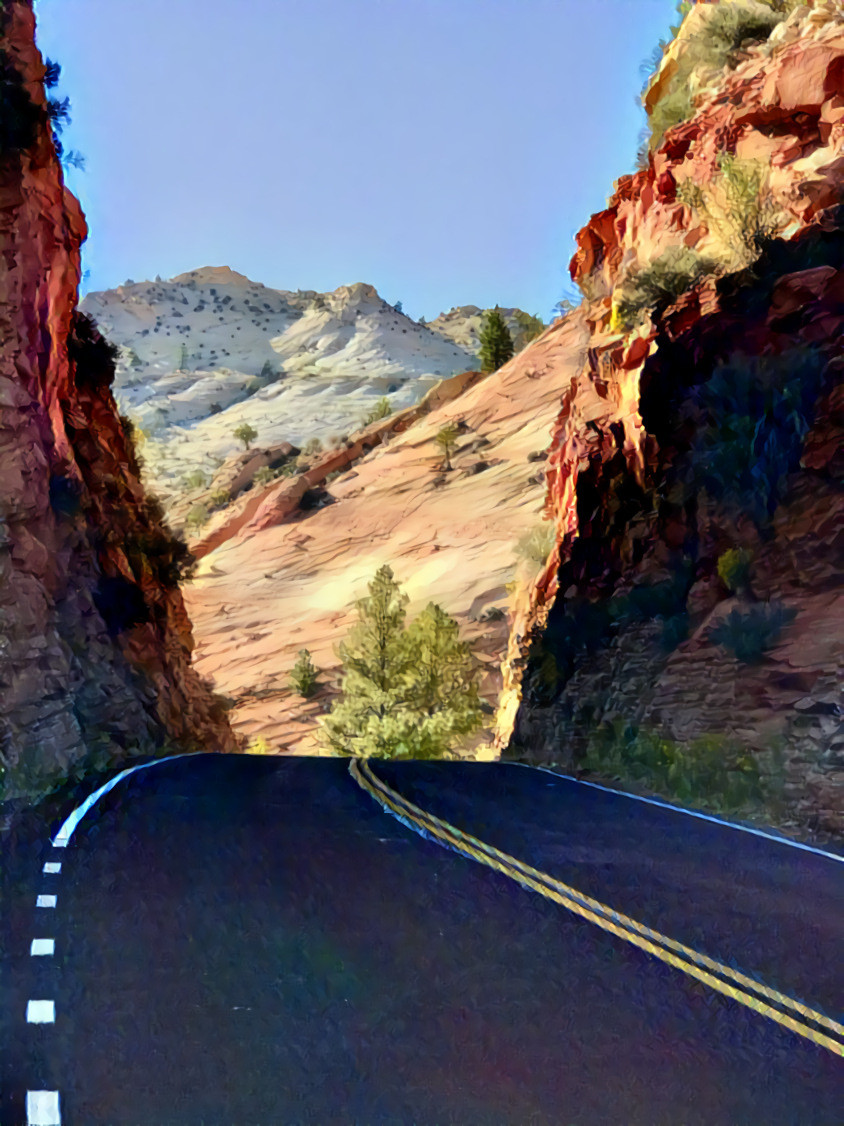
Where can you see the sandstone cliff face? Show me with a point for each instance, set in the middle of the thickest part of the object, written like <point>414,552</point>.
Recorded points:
<point>95,643</point>
<point>624,474</point>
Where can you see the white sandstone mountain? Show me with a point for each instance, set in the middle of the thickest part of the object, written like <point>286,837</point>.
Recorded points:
<point>209,350</point>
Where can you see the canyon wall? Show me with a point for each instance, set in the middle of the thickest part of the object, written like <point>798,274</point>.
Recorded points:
<point>617,629</point>
<point>95,643</point>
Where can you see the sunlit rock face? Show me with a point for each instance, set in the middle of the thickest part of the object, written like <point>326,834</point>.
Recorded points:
<point>628,506</point>
<point>95,643</point>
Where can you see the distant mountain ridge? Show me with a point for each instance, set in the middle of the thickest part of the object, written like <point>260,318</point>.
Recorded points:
<point>209,350</point>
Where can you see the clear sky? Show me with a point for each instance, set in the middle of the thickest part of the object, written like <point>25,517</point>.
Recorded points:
<point>445,151</point>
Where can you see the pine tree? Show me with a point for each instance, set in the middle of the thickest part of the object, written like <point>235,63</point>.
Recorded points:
<point>376,661</point>
<point>407,692</point>
<point>442,686</point>
<point>495,340</point>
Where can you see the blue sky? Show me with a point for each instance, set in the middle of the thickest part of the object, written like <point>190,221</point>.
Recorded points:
<point>445,151</point>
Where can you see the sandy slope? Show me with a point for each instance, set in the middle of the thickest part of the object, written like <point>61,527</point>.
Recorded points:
<point>449,537</point>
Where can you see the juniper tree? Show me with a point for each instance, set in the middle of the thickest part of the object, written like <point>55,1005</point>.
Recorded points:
<point>246,434</point>
<point>495,340</point>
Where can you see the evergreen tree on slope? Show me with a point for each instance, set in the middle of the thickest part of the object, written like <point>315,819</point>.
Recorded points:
<point>495,340</point>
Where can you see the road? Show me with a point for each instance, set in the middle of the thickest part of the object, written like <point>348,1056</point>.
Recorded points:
<point>253,941</point>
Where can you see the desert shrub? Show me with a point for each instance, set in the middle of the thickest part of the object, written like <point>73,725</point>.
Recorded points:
<point>303,676</point>
<point>263,475</point>
<point>734,569</point>
<point>446,438</point>
<point>648,601</point>
<point>154,542</point>
<point>94,358</point>
<point>659,283</point>
<point>311,447</point>
<point>535,545</point>
<point>219,498</point>
<point>215,408</point>
<point>728,26</point>
<point>196,479</point>
<point>750,633</point>
<point>197,516</point>
<point>753,414</point>
<point>382,409</point>
<point>738,207</point>
<point>710,769</point>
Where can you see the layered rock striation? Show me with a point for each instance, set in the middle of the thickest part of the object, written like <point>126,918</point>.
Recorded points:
<point>95,643</point>
<point>709,423</point>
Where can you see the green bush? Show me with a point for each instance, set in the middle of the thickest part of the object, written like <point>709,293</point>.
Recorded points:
<point>263,475</point>
<point>710,769</point>
<point>446,439</point>
<point>535,545</point>
<point>734,569</point>
<point>303,676</point>
<point>196,479</point>
<point>219,498</point>
<point>727,27</point>
<point>659,283</point>
<point>738,206</point>
<point>748,634</point>
<point>382,409</point>
<point>197,516</point>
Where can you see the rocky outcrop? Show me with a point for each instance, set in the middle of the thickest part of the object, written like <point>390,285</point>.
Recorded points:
<point>95,642</point>
<point>632,502</point>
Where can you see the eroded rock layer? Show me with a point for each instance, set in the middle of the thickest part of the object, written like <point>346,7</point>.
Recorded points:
<point>95,642</point>
<point>627,477</point>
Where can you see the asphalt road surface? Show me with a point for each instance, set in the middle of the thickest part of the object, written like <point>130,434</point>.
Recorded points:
<point>252,941</point>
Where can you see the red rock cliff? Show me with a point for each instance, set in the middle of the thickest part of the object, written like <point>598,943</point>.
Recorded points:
<point>95,644</point>
<point>629,430</point>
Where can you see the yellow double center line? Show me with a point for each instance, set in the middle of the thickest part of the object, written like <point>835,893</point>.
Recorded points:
<point>660,946</point>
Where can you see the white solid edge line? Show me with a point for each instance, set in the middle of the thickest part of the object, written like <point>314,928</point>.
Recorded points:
<point>688,812</point>
<point>62,838</point>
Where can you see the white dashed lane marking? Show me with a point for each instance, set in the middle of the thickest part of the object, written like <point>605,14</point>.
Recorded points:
<point>42,946</point>
<point>52,866</point>
<point>41,1012</point>
<point>45,901</point>
<point>42,1108</point>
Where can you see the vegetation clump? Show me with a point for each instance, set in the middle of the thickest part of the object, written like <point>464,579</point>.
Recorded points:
<point>382,409</point>
<point>710,769</point>
<point>303,676</point>
<point>658,284</point>
<point>714,46</point>
<point>496,343</point>
<point>535,545</point>
<point>246,434</point>
<point>738,207</point>
<point>197,516</point>
<point>446,439</point>
<point>734,569</point>
<point>750,633</point>
<point>408,691</point>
